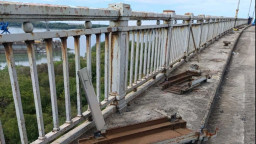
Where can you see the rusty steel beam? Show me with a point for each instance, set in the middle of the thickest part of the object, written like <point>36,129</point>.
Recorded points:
<point>154,131</point>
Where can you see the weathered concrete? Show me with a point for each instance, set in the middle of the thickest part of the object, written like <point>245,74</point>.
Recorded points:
<point>193,106</point>
<point>234,110</point>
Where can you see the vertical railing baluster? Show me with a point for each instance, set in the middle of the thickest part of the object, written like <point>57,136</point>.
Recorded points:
<point>127,58</point>
<point>98,67</point>
<point>132,58</point>
<point>141,53</point>
<point>156,44</point>
<point>2,139</point>
<point>145,53</point>
<point>173,54</point>
<point>52,84</point>
<point>36,92</point>
<point>159,48</point>
<point>137,57</point>
<point>110,63</point>
<point>106,67</point>
<point>88,58</point>
<point>153,51</point>
<point>149,50</point>
<point>66,78</point>
<point>171,47</point>
<point>77,65</point>
<point>163,55</point>
<point>88,55</point>
<point>16,92</point>
<point>176,40</point>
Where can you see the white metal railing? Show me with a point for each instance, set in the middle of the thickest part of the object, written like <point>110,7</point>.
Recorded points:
<point>134,55</point>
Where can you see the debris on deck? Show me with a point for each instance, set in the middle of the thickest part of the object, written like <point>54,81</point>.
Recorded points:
<point>226,43</point>
<point>185,81</point>
<point>163,130</point>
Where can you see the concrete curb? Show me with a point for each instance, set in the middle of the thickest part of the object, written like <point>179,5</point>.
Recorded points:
<point>204,122</point>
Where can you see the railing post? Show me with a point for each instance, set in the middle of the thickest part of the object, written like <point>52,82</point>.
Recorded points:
<point>208,27</point>
<point>169,37</point>
<point>118,55</point>
<point>189,22</point>
<point>217,21</point>
<point>201,21</point>
<point>221,26</point>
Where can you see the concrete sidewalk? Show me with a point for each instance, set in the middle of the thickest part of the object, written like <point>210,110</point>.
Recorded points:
<point>234,111</point>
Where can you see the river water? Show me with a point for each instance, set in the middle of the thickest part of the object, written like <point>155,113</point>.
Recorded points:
<point>22,59</point>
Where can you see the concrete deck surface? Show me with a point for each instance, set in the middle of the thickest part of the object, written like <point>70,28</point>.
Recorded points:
<point>234,110</point>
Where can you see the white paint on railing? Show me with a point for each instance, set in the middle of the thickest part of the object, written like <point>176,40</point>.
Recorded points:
<point>66,78</point>
<point>145,53</point>
<point>52,84</point>
<point>141,53</point>
<point>132,58</point>
<point>149,50</point>
<point>36,92</point>
<point>77,65</point>
<point>137,57</point>
<point>98,67</point>
<point>106,67</point>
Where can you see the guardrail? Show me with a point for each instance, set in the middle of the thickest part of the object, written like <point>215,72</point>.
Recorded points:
<point>134,55</point>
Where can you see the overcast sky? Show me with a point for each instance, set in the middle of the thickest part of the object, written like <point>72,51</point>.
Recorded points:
<point>207,7</point>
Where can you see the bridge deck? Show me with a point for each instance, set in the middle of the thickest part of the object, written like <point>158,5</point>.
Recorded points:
<point>234,111</point>
<point>193,106</point>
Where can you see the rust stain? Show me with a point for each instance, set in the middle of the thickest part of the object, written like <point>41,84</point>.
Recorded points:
<point>109,29</point>
<point>7,47</point>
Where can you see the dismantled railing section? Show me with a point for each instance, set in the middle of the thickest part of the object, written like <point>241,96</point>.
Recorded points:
<point>134,55</point>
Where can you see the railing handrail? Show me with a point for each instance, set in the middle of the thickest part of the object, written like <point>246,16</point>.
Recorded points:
<point>18,11</point>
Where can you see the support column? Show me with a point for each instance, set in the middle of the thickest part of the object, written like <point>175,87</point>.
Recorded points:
<point>118,46</point>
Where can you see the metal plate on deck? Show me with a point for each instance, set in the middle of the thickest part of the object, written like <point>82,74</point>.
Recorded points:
<point>154,131</point>
<point>183,82</point>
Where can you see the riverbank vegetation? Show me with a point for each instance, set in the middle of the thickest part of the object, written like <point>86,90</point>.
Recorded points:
<point>7,110</point>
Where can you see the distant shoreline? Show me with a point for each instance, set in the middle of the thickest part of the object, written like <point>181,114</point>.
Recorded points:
<point>57,25</point>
